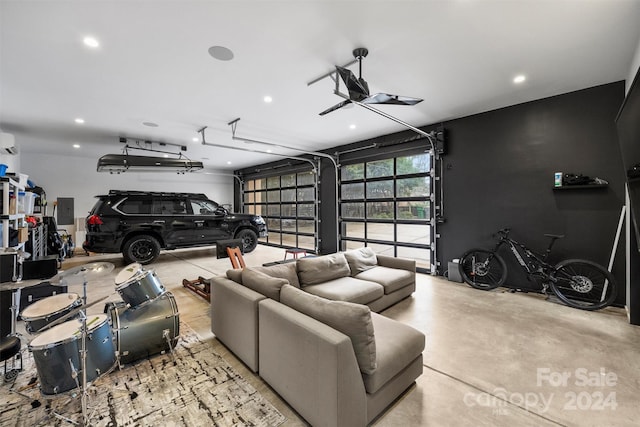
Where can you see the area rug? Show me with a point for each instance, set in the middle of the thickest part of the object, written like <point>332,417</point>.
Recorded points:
<point>194,386</point>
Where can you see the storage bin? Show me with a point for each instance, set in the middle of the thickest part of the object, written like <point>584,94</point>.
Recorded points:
<point>28,202</point>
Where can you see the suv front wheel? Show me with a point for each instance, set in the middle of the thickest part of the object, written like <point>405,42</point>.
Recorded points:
<point>143,249</point>
<point>249,239</point>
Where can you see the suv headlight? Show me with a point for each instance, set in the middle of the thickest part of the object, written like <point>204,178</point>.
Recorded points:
<point>259,220</point>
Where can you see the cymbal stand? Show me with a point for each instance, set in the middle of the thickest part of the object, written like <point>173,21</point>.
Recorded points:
<point>15,308</point>
<point>83,349</point>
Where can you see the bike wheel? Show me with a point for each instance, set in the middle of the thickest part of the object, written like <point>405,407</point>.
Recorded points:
<point>583,284</point>
<point>483,269</point>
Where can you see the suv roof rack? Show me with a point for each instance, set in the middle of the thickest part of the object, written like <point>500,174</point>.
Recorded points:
<point>153,193</point>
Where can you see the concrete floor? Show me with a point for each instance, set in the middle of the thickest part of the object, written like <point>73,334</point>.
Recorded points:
<point>491,359</point>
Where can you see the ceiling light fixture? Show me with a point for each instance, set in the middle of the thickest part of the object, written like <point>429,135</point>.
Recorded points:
<point>150,124</point>
<point>91,42</point>
<point>195,139</point>
<point>79,121</point>
<point>268,99</point>
<point>519,79</point>
<point>76,145</point>
<point>352,126</point>
<point>221,53</point>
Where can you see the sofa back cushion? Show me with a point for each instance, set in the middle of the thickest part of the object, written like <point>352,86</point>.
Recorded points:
<point>235,275</point>
<point>262,283</point>
<point>353,320</point>
<point>285,271</point>
<point>361,260</point>
<point>322,269</point>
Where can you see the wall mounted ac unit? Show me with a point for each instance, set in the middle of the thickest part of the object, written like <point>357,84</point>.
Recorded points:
<point>7,144</point>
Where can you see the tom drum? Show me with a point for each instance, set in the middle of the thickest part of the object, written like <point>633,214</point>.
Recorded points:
<point>138,287</point>
<point>42,312</point>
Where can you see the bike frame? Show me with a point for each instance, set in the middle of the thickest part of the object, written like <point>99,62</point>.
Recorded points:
<point>536,264</point>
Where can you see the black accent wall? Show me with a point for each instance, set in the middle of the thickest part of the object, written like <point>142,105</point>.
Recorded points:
<point>500,173</point>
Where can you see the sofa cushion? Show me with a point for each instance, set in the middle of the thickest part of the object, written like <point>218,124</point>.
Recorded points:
<point>397,345</point>
<point>283,271</point>
<point>235,275</point>
<point>265,284</point>
<point>391,278</point>
<point>353,320</point>
<point>361,259</point>
<point>347,289</point>
<point>322,269</point>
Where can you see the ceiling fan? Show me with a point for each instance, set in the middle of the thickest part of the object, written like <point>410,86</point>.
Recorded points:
<point>359,89</point>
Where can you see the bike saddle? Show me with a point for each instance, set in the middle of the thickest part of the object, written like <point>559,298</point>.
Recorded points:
<point>555,236</point>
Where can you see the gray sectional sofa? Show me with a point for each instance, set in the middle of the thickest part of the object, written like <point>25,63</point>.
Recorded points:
<point>311,330</point>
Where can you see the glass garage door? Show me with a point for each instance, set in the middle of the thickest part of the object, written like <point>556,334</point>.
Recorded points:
<point>288,205</point>
<point>386,205</point>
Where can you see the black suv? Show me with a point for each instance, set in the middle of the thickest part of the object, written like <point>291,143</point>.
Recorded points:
<point>139,224</point>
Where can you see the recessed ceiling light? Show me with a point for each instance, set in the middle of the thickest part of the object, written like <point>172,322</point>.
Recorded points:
<point>221,53</point>
<point>76,145</point>
<point>352,126</point>
<point>91,41</point>
<point>150,124</point>
<point>519,79</point>
<point>268,151</point>
<point>204,158</point>
<point>268,99</point>
<point>229,163</point>
<point>195,139</point>
<point>166,155</point>
<point>79,121</point>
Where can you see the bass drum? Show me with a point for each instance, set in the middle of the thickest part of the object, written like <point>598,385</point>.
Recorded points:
<point>56,353</point>
<point>41,313</point>
<point>146,330</point>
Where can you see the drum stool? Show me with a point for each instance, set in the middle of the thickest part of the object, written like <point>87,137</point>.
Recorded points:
<point>10,347</point>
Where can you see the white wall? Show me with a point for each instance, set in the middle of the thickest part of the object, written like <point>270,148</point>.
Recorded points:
<point>62,176</point>
<point>635,66</point>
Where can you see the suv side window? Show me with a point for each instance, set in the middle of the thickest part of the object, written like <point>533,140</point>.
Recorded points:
<point>169,207</point>
<point>203,207</point>
<point>135,206</point>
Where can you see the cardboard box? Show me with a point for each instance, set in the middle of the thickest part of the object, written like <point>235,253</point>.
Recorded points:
<point>23,234</point>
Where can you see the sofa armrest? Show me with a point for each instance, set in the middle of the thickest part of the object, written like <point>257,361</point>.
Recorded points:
<point>400,263</point>
<point>312,366</point>
<point>234,318</point>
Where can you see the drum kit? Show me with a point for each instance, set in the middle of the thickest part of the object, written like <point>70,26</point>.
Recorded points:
<point>72,349</point>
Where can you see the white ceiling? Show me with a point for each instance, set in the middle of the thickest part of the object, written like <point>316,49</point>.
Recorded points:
<point>153,66</point>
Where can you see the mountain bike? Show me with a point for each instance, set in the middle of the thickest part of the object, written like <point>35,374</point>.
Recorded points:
<point>578,283</point>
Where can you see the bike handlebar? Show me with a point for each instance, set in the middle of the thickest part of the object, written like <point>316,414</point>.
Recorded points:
<point>504,233</point>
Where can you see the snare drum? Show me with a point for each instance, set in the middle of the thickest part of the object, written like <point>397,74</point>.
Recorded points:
<point>56,353</point>
<point>146,330</point>
<point>41,313</point>
<point>138,287</point>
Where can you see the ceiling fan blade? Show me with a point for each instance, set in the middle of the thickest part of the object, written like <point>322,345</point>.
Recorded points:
<point>386,98</point>
<point>335,107</point>
<point>357,91</point>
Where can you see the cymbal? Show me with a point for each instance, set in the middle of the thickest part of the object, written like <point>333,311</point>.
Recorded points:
<point>81,273</point>
<point>12,286</point>
<point>70,314</point>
